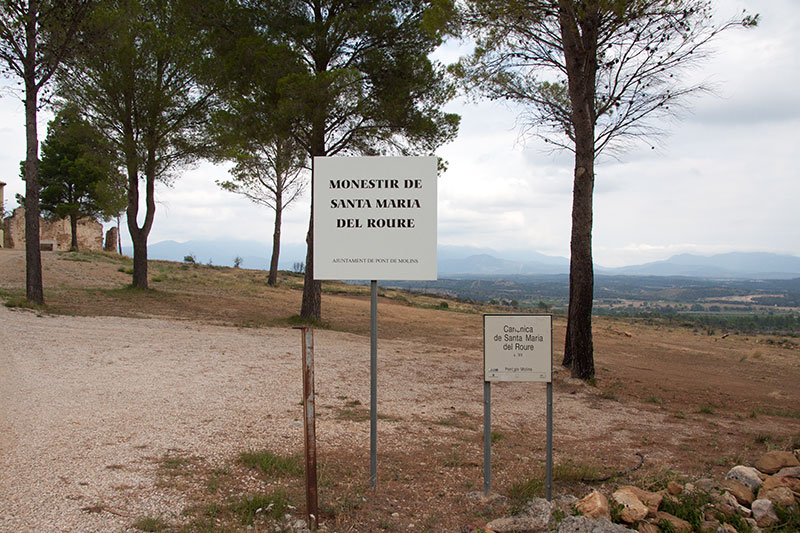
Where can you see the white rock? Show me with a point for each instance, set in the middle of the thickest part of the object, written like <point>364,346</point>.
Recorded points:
<point>747,475</point>
<point>764,513</point>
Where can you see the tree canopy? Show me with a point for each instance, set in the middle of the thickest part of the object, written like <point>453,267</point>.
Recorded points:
<point>36,36</point>
<point>592,75</point>
<point>363,82</point>
<point>139,82</point>
<point>78,172</point>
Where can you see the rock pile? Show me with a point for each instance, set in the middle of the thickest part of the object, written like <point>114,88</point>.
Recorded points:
<point>747,495</point>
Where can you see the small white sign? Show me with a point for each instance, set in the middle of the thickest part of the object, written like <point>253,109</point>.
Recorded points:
<point>518,348</point>
<point>375,218</point>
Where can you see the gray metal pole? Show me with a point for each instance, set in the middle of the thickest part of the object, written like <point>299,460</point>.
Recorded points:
<point>487,438</point>
<point>549,467</point>
<point>373,385</point>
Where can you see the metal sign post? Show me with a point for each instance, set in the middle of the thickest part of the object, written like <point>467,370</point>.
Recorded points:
<point>309,425</point>
<point>373,384</point>
<point>374,218</point>
<point>516,347</point>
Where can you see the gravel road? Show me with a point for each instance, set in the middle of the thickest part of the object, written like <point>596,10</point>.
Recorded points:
<point>89,405</point>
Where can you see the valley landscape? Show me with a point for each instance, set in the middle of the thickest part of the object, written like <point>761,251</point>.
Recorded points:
<point>178,408</point>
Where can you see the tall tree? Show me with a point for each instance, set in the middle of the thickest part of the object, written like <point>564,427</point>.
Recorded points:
<point>269,172</point>
<point>365,86</point>
<point>35,37</point>
<point>138,81</point>
<point>592,75</point>
<point>78,172</point>
<point>269,163</point>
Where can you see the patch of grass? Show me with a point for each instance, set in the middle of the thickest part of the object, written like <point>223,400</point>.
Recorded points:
<point>496,436</point>
<point>788,520</point>
<point>706,409</point>
<point>126,270</point>
<point>352,414</point>
<point>655,400</point>
<point>272,464</point>
<point>273,505</point>
<point>572,472</point>
<point>687,506</point>
<point>88,256</point>
<point>772,411</point>
<point>763,438</point>
<point>159,277</point>
<point>656,481</point>
<point>453,459</point>
<point>150,523</point>
<point>344,505</point>
<point>297,320</point>
<point>609,395</point>
<point>736,521</point>
<point>521,492</point>
<point>21,302</point>
<point>173,465</point>
<point>214,482</point>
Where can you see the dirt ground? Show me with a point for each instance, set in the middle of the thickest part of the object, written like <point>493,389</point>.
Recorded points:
<point>119,405</point>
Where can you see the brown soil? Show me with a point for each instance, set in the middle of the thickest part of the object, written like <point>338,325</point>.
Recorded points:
<point>692,404</point>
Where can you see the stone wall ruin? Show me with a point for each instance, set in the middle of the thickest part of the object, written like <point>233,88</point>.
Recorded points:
<point>54,235</point>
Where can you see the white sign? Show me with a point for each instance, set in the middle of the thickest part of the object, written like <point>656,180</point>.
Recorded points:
<point>375,218</point>
<point>518,348</point>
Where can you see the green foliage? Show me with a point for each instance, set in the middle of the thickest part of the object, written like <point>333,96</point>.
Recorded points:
<point>150,524</point>
<point>273,505</point>
<point>522,492</point>
<point>687,506</point>
<point>271,464</point>
<point>634,56</point>
<point>78,170</point>
<point>359,80</point>
<point>138,79</point>
<point>23,303</point>
<point>706,409</point>
<point>736,521</point>
<point>788,519</point>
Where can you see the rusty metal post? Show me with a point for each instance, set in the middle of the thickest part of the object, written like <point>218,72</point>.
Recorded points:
<point>309,425</point>
<point>373,385</point>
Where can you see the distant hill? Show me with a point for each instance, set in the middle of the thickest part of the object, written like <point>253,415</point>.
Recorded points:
<point>464,261</point>
<point>254,254</point>
<point>488,265</point>
<point>738,265</point>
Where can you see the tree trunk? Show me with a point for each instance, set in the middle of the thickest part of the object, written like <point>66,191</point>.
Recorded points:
<point>272,280</point>
<point>311,307</point>
<point>139,259</point>
<point>312,289</point>
<point>579,33</point>
<point>73,225</point>
<point>578,348</point>
<point>33,254</point>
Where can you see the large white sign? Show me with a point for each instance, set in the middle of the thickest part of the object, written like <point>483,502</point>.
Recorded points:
<point>375,218</point>
<point>518,348</point>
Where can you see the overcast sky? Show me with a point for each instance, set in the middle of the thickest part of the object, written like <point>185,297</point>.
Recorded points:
<point>725,179</point>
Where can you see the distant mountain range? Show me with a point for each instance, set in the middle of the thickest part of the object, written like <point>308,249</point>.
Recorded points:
<point>464,261</point>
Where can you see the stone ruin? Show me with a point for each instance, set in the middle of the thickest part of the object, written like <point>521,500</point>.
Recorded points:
<point>54,235</point>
